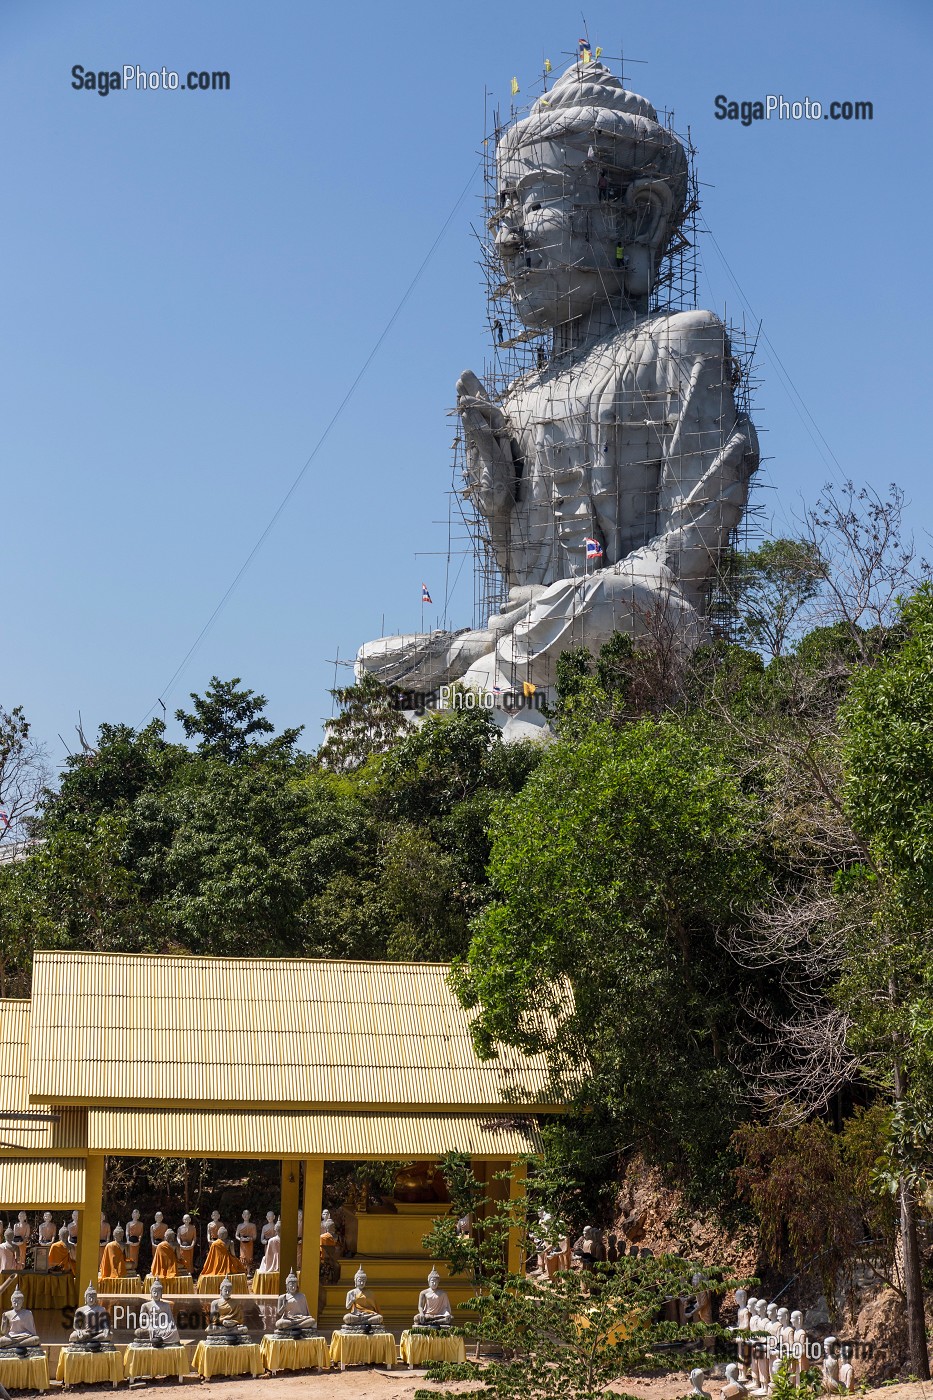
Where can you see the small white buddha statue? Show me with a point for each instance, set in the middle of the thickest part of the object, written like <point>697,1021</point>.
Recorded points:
<point>837,1370</point>
<point>21,1233</point>
<point>733,1388</point>
<point>17,1325</point>
<point>157,1326</point>
<point>246,1238</point>
<point>9,1254</point>
<point>268,1230</point>
<point>271,1259</point>
<point>361,1314</point>
<point>91,1323</point>
<point>292,1318</point>
<point>434,1308</point>
<point>226,1315</point>
<point>135,1229</point>
<point>187,1236</point>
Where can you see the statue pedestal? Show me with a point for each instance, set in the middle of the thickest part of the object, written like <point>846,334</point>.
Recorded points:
<point>213,1360</point>
<point>363,1349</point>
<point>153,1363</point>
<point>79,1367</point>
<point>266,1283</point>
<point>418,1350</point>
<point>113,1286</point>
<point>29,1372</point>
<point>210,1283</point>
<point>287,1354</point>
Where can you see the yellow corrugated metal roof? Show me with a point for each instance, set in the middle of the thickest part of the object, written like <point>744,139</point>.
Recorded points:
<point>69,1134</point>
<point>407,1136</point>
<point>123,1029</point>
<point>53,1183</point>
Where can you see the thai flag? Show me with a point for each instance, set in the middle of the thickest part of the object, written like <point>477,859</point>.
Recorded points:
<point>594,549</point>
<point>425,595</point>
<point>583,45</point>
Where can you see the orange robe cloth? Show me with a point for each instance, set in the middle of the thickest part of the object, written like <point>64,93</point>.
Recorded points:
<point>59,1258</point>
<point>164,1261</point>
<point>220,1261</point>
<point>112,1264</point>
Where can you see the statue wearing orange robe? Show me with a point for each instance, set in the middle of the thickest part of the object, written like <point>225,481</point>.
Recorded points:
<point>60,1258</point>
<point>113,1261</point>
<point>164,1261</point>
<point>220,1261</point>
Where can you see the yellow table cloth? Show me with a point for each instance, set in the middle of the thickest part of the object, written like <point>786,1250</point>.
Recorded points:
<point>375,1349</point>
<point>227,1361</point>
<point>88,1367</point>
<point>291,1354</point>
<point>25,1372</point>
<point>184,1283</point>
<point>418,1350</point>
<point>266,1283</point>
<point>210,1283</point>
<point>156,1362</point>
<point>120,1285</point>
<point>47,1291</point>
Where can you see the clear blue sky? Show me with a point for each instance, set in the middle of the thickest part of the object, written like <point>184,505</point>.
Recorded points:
<point>191,281</point>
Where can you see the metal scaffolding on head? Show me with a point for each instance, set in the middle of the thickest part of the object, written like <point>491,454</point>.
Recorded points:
<point>517,355</point>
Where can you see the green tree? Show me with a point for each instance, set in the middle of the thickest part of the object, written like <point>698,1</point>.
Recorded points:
<point>228,721</point>
<point>368,722</point>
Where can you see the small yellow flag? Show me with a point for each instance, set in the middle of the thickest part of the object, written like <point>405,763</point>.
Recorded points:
<point>528,688</point>
<point>586,56</point>
<point>598,52</point>
<point>515,87</point>
<point>547,65</point>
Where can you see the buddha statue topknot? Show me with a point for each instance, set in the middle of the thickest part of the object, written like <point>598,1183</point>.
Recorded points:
<point>611,475</point>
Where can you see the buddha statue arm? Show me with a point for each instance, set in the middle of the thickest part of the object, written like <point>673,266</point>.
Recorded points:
<point>492,459</point>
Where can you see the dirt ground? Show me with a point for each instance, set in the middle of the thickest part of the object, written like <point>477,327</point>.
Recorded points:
<point>375,1384</point>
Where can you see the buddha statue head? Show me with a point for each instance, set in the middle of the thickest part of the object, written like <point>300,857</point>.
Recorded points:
<point>796,1319</point>
<point>591,187</point>
<point>134,1215</point>
<point>8,1235</point>
<point>186,1220</point>
<point>170,1237</point>
<point>17,1299</point>
<point>159,1217</point>
<point>270,1217</point>
<point>222,1234</point>
<point>359,1280</point>
<point>226,1287</point>
<point>291,1284</point>
<point>761,1308</point>
<point>245,1217</point>
<point>155,1290</point>
<point>46,1217</point>
<point>90,1296</point>
<point>23,1218</point>
<point>783,1316</point>
<point>434,1279</point>
<point>741,1297</point>
<point>772,1311</point>
<point>63,1234</point>
<point>119,1234</point>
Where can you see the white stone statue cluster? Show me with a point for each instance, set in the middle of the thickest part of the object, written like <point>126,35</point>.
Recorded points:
<point>611,475</point>
<point>778,1336</point>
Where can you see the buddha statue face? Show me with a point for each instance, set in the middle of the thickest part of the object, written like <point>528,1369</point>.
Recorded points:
<point>783,1316</point>
<point>590,187</point>
<point>63,1234</point>
<point>222,1233</point>
<point>245,1217</point>
<point>761,1307</point>
<point>270,1217</point>
<point>434,1279</point>
<point>118,1234</point>
<point>226,1288</point>
<point>46,1217</point>
<point>8,1235</point>
<point>135,1215</point>
<point>90,1296</point>
<point>291,1284</point>
<point>155,1291</point>
<point>215,1215</point>
<point>17,1299</point>
<point>186,1220</point>
<point>796,1319</point>
<point>159,1217</point>
<point>170,1237</point>
<point>359,1279</point>
<point>741,1297</point>
<point>23,1217</point>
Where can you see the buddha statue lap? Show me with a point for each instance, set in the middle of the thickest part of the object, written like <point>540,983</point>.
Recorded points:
<point>225,1324</point>
<point>361,1314</point>
<point>17,1326</point>
<point>292,1318</point>
<point>434,1308</point>
<point>625,445</point>
<point>91,1325</point>
<point>157,1326</point>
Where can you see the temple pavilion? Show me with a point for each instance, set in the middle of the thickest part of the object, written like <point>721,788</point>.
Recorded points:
<point>294,1060</point>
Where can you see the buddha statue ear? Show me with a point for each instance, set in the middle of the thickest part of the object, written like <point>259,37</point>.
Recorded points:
<point>651,202</point>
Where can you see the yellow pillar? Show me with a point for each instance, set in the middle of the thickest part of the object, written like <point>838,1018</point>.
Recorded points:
<point>516,1260</point>
<point>311,1253</point>
<point>88,1260</point>
<point>288,1256</point>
